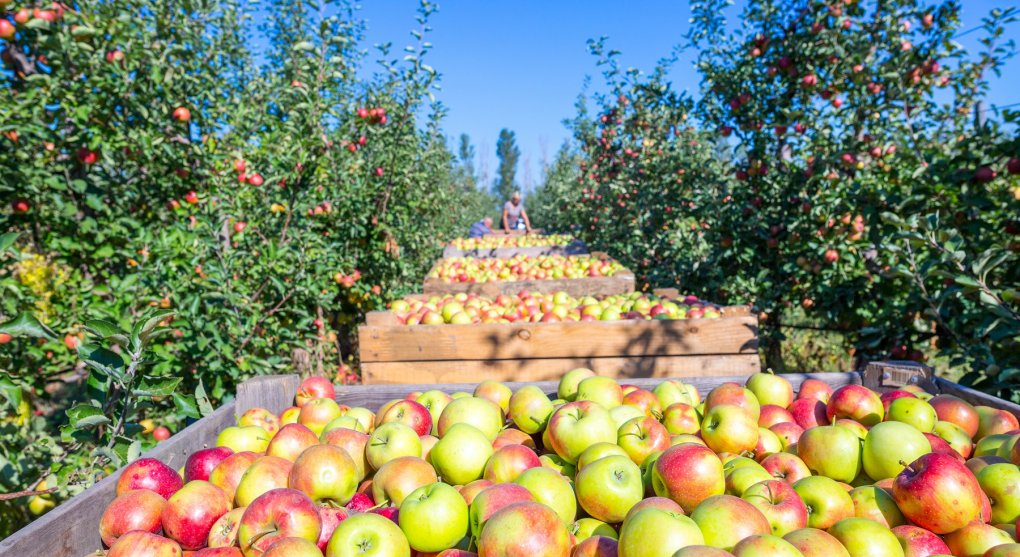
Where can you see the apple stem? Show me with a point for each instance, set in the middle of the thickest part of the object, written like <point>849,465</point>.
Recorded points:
<point>907,466</point>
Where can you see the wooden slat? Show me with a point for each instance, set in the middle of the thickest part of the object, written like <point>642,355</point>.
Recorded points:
<point>272,392</point>
<point>381,319</point>
<point>547,369</point>
<point>72,529</point>
<point>520,341</point>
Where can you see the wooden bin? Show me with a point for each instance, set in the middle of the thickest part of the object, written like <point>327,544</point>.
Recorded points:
<point>577,247</point>
<point>395,353</point>
<point>72,529</point>
<point>620,283</point>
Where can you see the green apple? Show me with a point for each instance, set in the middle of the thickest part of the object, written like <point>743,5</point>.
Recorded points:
<point>326,474</point>
<point>243,438</point>
<point>875,503</point>
<point>575,426</point>
<point>530,409</point>
<point>956,436</point>
<point>813,542</point>
<point>770,389</point>
<point>913,411</point>
<point>461,454</point>
<point>435,401</point>
<point>739,479</point>
<point>554,462</point>
<point>863,538</point>
<point>765,546</point>
<point>728,428</point>
<point>479,412</point>
<point>390,441</point>
<point>609,487</point>
<point>399,477</point>
<point>585,528</point>
<point>496,392</point>
<point>597,451</point>
<point>827,501</point>
<point>265,474</point>
<point>602,390</point>
<point>567,389</point>
<point>725,520</point>
<point>1001,482</point>
<point>654,532</point>
<point>345,422</point>
<point>976,539</point>
<point>831,451</point>
<point>550,488</point>
<point>433,517</point>
<point>624,414</point>
<point>368,535</point>
<point>890,443</point>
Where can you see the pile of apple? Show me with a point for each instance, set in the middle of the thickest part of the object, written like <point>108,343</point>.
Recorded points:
<point>523,267</point>
<point>522,241</point>
<point>526,306</point>
<point>603,470</point>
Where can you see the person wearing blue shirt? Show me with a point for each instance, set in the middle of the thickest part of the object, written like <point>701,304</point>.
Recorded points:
<point>481,228</point>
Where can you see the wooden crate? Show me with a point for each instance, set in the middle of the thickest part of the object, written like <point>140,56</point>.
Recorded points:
<point>620,283</point>
<point>394,353</point>
<point>577,247</point>
<point>72,529</point>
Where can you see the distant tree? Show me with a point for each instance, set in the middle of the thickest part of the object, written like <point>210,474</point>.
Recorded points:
<point>465,172</point>
<point>509,154</point>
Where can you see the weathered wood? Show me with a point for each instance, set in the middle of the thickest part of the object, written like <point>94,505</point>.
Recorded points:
<point>521,341</point>
<point>546,369</point>
<point>272,392</point>
<point>887,375</point>
<point>381,319</point>
<point>576,247</point>
<point>72,529</point>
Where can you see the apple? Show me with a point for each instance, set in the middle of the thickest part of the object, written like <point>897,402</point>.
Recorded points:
<point>655,532</point>
<point>478,412</point>
<point>1001,482</point>
<point>918,542</point>
<point>144,544</point>
<point>809,412</point>
<point>368,535</point>
<point>739,480</point>
<point>1004,550</point>
<point>433,518</point>
<point>768,443</point>
<point>765,546</point>
<point>326,474</point>
<point>202,462</point>
<point>567,389</point>
<point>554,462</point>
<point>938,493</point>
<point>785,466</point>
<point>471,490</point>
<point>262,418</point>
<point>623,414</point>
<point>435,401</point>
<point>596,546</point>
<point>975,539</point>
<point>496,392</point>
<point>979,463</point>
<point>770,389</point>
<point>575,426</point>
<point>512,436</point>
<point>551,488</point>
<point>992,421</point>
<point>292,547</point>
<point>290,415</point>
<point>702,551</point>
<point>956,437</point>
<point>508,462</point>
<point>318,412</point>
<point>862,537</point>
<point>161,433</point>
<point>524,528</point>
<point>151,474</point>
<point>951,409</point>
<point>681,418</point>
<point>890,443</point>
<point>603,390</point>
<point>888,397</point>
<point>265,473</point>
<point>875,503</point>
<point>646,401</point>
<point>729,428</point>
<point>228,473</point>
<point>191,512</point>
<point>688,474</point>
<point>274,515</point>
<point>492,499</point>
<point>815,389</point>
<point>530,409</point>
<point>826,500</point>
<point>410,413</point>
<point>771,415</point>
<point>856,403</point>
<point>725,520</point>
<point>364,416</point>
<point>224,531</point>
<point>913,411</point>
<point>661,503</point>
<point>355,443</point>
<point>812,542</point>
<point>788,433</point>
<point>587,527</point>
<point>461,454</point>
<point>241,439</point>
<point>671,392</point>
<point>609,487</point>
<point>399,477</point>
<point>641,437</point>
<point>291,441</point>
<point>733,394</point>
<point>313,388</point>
<point>138,509</point>
<point>831,451</point>
<point>779,504</point>
<point>391,441</point>
<point>597,451</point>
<point>989,445</point>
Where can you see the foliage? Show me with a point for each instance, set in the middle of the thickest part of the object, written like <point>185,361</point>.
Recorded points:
<point>509,154</point>
<point>815,121</point>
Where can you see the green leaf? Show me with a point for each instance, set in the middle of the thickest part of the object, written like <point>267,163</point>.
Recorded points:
<point>156,386</point>
<point>186,405</point>
<point>26,325</point>
<point>107,331</point>
<point>204,405</point>
<point>7,240</point>
<point>146,326</point>
<point>100,359</point>
<point>86,415</point>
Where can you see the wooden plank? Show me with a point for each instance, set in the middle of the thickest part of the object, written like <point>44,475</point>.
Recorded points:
<point>521,341</point>
<point>272,392</point>
<point>381,319</point>
<point>577,247</point>
<point>72,529</point>
<point>547,369</point>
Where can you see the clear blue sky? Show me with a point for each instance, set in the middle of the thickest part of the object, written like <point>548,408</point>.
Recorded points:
<point>521,64</point>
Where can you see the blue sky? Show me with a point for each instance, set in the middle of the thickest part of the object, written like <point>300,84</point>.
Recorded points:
<point>521,64</point>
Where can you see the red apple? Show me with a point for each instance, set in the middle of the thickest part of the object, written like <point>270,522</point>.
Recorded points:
<point>813,542</point>
<point>785,466</point>
<point>355,443</point>
<point>976,538</point>
<point>780,504</point>
<point>490,500</point>
<point>958,411</point>
<point>266,473</point>
<point>149,473</point>
<point>816,389</point>
<point>217,552</point>
<point>259,416</point>
<point>688,474</point>
<point>809,412</point>
<point>144,544</point>
<point>278,514</point>
<point>191,512</point>
<point>728,428</point>
<point>856,403</point>
<point>681,418</point>
<point>595,546</point>
<point>312,388</point>
<point>724,520</point>
<point>524,528</point>
<point>889,396</point>
<point>733,394</point>
<point>182,114</point>
<point>509,462</point>
<point>224,531</point>
<point>291,441</point>
<point>918,542</point>
<point>409,413</point>
<point>399,477</point>
<point>788,433</point>
<point>330,517</point>
<point>938,493</point>
<point>640,437</point>
<point>993,421</point>
<point>228,473</point>
<point>202,462</point>
<point>138,509</point>
<point>772,415</point>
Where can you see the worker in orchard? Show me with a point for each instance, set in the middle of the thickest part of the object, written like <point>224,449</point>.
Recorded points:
<point>514,213</point>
